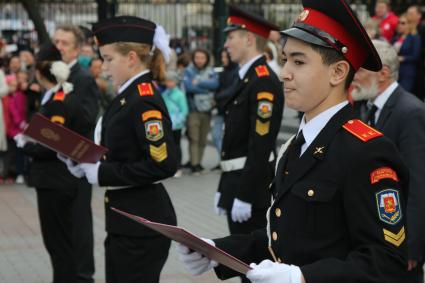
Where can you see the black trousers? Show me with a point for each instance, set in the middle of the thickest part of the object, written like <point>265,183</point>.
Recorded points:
<point>83,232</point>
<point>416,275</point>
<point>135,259</point>
<point>257,221</point>
<point>177,135</point>
<point>55,212</point>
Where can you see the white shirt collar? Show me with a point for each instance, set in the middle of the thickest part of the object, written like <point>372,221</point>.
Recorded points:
<point>244,69</point>
<point>312,128</point>
<point>132,79</point>
<point>48,94</point>
<point>72,63</point>
<point>381,99</point>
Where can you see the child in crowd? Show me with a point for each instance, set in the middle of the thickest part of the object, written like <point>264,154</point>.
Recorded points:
<point>176,103</point>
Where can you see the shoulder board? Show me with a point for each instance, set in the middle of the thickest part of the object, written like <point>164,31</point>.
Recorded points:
<point>361,130</point>
<point>262,71</point>
<point>145,89</point>
<point>59,96</point>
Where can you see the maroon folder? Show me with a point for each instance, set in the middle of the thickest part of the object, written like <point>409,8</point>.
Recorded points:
<point>63,140</point>
<point>188,239</point>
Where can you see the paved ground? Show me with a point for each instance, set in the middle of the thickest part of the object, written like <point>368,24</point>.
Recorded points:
<point>24,259</point>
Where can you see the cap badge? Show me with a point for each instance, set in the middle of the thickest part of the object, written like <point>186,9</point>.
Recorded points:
<point>303,15</point>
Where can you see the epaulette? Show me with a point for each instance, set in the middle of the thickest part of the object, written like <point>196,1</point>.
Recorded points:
<point>145,89</point>
<point>361,130</point>
<point>262,71</point>
<point>59,96</point>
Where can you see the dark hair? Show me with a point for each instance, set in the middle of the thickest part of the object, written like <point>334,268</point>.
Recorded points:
<point>44,68</point>
<point>330,56</point>
<point>183,59</point>
<point>204,51</point>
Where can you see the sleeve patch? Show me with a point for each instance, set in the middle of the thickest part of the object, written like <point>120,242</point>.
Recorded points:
<point>265,95</point>
<point>395,239</point>
<point>262,71</point>
<point>265,109</point>
<point>154,130</point>
<point>383,173</point>
<point>57,119</point>
<point>145,89</point>
<point>388,204</point>
<point>262,128</point>
<point>158,153</point>
<point>59,96</point>
<point>151,114</point>
<point>361,130</point>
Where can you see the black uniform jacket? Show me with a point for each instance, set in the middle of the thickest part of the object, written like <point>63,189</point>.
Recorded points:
<point>339,214</point>
<point>45,169</point>
<point>252,122</point>
<point>402,120</point>
<point>136,129</point>
<point>88,94</point>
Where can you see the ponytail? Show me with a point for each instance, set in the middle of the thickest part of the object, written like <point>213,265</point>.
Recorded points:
<point>157,66</point>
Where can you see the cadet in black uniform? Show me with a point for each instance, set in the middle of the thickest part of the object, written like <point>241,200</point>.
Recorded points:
<point>56,187</point>
<point>253,116</point>
<point>136,128</point>
<point>338,195</point>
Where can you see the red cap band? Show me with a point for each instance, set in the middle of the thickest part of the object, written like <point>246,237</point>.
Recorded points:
<point>356,54</point>
<point>249,25</point>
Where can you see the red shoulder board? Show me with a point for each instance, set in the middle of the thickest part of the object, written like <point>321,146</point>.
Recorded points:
<point>145,89</point>
<point>361,130</point>
<point>59,96</point>
<point>262,71</point>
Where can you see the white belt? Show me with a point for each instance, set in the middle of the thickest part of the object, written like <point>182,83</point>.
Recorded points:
<point>237,163</point>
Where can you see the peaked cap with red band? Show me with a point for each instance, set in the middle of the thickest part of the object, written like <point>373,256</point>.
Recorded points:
<point>124,29</point>
<point>333,24</point>
<point>240,19</point>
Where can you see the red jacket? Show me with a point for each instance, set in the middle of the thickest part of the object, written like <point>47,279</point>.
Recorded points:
<point>388,25</point>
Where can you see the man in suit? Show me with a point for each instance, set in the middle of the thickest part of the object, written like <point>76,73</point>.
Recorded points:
<point>401,117</point>
<point>69,39</point>
<point>253,115</point>
<point>338,195</point>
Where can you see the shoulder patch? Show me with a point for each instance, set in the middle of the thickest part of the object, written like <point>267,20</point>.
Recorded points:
<point>154,130</point>
<point>57,119</point>
<point>262,71</point>
<point>145,89</point>
<point>361,130</point>
<point>265,109</point>
<point>158,153</point>
<point>389,207</point>
<point>265,95</point>
<point>59,96</point>
<point>151,114</point>
<point>393,238</point>
<point>383,173</point>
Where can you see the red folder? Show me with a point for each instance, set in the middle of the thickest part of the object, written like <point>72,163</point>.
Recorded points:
<point>63,140</point>
<point>188,239</point>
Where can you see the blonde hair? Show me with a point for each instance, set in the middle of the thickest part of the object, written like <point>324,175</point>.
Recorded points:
<point>155,62</point>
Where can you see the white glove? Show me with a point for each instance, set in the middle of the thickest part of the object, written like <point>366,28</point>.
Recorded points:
<point>273,272</point>
<point>218,210</point>
<point>21,140</point>
<point>91,171</point>
<point>75,169</point>
<point>241,211</point>
<point>195,262</point>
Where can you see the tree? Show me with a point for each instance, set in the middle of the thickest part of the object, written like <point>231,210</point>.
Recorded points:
<point>33,11</point>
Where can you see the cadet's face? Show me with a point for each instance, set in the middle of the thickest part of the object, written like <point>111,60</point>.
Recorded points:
<point>115,64</point>
<point>234,44</point>
<point>306,78</point>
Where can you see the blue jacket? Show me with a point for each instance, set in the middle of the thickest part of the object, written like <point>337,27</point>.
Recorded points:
<point>411,52</point>
<point>176,103</point>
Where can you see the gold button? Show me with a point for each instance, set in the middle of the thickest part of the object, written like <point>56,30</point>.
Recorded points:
<point>310,193</point>
<point>106,199</point>
<point>350,122</point>
<point>278,212</point>
<point>274,236</point>
<point>279,260</point>
<point>104,157</point>
<point>286,172</point>
<point>223,154</point>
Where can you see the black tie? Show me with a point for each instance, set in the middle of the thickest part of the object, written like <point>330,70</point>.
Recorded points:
<point>370,118</point>
<point>294,150</point>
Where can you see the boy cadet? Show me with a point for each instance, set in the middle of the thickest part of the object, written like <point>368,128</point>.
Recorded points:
<point>252,121</point>
<point>338,195</point>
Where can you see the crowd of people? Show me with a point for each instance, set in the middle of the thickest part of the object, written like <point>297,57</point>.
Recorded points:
<point>122,86</point>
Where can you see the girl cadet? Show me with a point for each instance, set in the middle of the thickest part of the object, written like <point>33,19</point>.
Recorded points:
<point>136,128</point>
